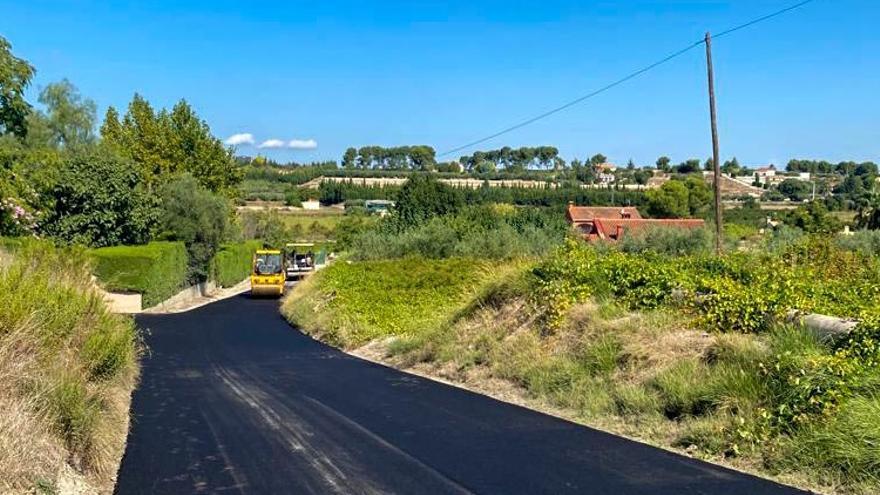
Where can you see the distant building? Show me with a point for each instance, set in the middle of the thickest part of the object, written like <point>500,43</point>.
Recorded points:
<point>611,223</point>
<point>764,175</point>
<point>605,173</point>
<point>311,204</point>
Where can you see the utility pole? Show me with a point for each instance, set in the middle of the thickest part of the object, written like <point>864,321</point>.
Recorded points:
<point>715,154</point>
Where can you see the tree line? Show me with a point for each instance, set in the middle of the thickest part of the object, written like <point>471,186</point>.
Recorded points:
<point>418,157</point>
<point>148,174</point>
<point>513,160</point>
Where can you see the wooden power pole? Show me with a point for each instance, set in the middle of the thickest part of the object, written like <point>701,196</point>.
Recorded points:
<point>715,154</point>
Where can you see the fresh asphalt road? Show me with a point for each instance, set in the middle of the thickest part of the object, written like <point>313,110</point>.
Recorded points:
<point>232,399</point>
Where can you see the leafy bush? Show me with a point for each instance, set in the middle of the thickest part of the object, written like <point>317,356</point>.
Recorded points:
<point>197,217</point>
<point>156,270</point>
<point>98,200</point>
<point>486,231</point>
<point>232,263</point>
<point>746,292</point>
<point>670,241</point>
<point>866,242</point>
<point>292,198</point>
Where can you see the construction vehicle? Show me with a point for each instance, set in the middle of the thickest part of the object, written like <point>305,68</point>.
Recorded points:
<point>300,260</point>
<point>267,276</point>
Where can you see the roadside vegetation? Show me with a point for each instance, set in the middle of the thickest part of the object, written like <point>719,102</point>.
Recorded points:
<point>653,337</point>
<point>67,368</point>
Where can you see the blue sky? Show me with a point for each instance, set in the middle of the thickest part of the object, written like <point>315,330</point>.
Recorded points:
<point>352,73</point>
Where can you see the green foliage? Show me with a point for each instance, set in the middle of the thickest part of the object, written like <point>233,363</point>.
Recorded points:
<point>493,232</point>
<point>668,201</point>
<point>744,292</point>
<point>333,192</point>
<point>416,295</point>
<point>668,241</point>
<point>98,201</point>
<point>233,262</point>
<point>419,157</point>
<point>69,119</point>
<point>66,361</point>
<point>167,143</point>
<point>157,270</point>
<point>267,226</point>
<point>292,198</point>
<point>506,158</point>
<point>813,218</point>
<point>678,198</point>
<point>795,190</point>
<point>421,198</point>
<point>845,446</point>
<point>865,242</point>
<point>197,217</point>
<point>15,76</point>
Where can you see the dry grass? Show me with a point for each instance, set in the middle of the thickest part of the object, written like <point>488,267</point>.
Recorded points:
<point>67,368</point>
<point>652,376</point>
<point>611,369</point>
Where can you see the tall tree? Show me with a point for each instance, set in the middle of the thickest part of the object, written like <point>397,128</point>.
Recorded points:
<point>663,164</point>
<point>349,159</point>
<point>166,143</point>
<point>731,167</point>
<point>15,76</point>
<point>69,116</point>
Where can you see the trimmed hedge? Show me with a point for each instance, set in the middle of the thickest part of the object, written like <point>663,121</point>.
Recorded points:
<point>157,270</point>
<point>232,263</point>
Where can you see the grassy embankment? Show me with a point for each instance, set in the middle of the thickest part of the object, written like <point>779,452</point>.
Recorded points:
<point>67,368</point>
<point>685,352</point>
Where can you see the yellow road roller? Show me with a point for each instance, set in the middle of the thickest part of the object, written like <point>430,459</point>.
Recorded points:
<point>267,276</point>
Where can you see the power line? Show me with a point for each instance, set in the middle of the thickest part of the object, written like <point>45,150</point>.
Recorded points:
<point>624,79</point>
<point>762,19</point>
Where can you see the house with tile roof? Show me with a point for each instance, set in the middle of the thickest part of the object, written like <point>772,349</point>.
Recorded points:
<point>611,223</point>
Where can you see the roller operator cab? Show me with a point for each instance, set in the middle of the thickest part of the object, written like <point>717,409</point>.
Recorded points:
<point>267,276</point>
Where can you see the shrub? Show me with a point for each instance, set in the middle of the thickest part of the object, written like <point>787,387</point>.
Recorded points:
<point>292,198</point>
<point>99,201</point>
<point>479,232</point>
<point>866,242</point>
<point>670,241</point>
<point>156,270</point>
<point>197,217</point>
<point>232,263</point>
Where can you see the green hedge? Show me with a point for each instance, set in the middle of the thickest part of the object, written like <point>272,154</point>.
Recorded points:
<point>232,263</point>
<point>157,270</point>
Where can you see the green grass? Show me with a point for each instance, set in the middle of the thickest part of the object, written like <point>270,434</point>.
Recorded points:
<point>67,368</point>
<point>778,402</point>
<point>377,299</point>
<point>157,270</point>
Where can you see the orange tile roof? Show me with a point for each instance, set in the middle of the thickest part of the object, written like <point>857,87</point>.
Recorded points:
<point>587,213</point>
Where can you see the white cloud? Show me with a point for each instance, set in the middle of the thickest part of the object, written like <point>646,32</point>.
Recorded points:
<point>272,144</point>
<point>302,144</point>
<point>245,138</point>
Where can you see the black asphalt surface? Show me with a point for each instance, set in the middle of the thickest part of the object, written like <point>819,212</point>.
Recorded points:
<point>234,400</point>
